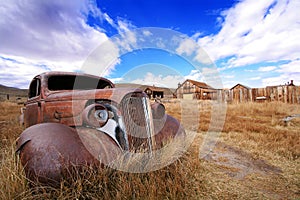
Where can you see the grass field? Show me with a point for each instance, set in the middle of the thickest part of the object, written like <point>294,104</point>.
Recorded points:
<point>256,157</point>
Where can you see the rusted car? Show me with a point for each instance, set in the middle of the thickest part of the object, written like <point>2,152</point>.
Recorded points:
<point>75,119</point>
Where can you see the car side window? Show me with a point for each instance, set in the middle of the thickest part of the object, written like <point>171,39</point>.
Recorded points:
<point>35,88</point>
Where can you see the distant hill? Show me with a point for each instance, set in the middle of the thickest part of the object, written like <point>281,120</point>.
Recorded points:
<point>128,85</point>
<point>12,92</point>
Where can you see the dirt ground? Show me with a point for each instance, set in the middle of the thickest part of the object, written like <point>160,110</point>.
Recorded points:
<point>250,176</point>
<point>238,164</point>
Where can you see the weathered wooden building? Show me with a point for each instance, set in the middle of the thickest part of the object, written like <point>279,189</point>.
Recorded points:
<point>191,89</point>
<point>288,93</point>
<point>158,92</point>
<point>152,91</point>
<point>240,93</point>
<point>283,93</point>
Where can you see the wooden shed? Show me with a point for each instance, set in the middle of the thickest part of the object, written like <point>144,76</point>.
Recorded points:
<point>191,89</point>
<point>154,92</point>
<point>240,93</point>
<point>288,93</point>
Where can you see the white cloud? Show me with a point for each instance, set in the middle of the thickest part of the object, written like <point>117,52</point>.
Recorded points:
<point>116,80</point>
<point>229,84</point>
<point>37,36</point>
<point>276,80</point>
<point>290,68</point>
<point>266,69</point>
<point>51,30</point>
<point>202,57</point>
<point>109,20</point>
<point>127,42</point>
<point>147,33</point>
<point>211,76</point>
<point>187,46</point>
<point>195,75</point>
<point>19,71</point>
<point>255,78</point>
<point>255,31</point>
<point>289,71</point>
<point>102,60</point>
<point>228,76</point>
<point>169,81</point>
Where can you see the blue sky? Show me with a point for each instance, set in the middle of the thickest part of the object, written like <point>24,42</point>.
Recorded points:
<point>256,43</point>
<point>188,17</point>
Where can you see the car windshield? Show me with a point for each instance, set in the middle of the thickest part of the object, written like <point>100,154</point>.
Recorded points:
<point>76,82</point>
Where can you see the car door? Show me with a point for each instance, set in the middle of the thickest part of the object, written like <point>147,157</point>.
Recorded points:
<point>32,113</point>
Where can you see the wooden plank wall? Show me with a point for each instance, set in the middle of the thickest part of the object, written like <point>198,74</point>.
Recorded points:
<point>240,94</point>
<point>191,91</point>
<point>284,93</point>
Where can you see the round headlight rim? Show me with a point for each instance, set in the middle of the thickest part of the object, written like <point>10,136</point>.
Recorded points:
<point>89,113</point>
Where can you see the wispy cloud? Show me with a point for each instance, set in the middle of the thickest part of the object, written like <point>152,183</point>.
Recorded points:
<point>291,67</point>
<point>228,76</point>
<point>170,81</point>
<point>195,75</point>
<point>266,69</point>
<point>47,30</point>
<point>255,78</point>
<point>187,46</point>
<point>37,36</point>
<point>289,71</point>
<point>18,71</point>
<point>256,31</point>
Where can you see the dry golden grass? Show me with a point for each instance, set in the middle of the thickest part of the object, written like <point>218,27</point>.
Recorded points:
<point>252,132</point>
<point>259,131</point>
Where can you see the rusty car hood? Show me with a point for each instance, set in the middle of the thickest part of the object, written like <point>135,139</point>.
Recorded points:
<point>114,94</point>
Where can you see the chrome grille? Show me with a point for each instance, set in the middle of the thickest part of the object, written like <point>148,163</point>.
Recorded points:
<point>137,117</point>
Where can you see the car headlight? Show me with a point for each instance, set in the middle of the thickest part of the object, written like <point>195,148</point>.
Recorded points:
<point>101,115</point>
<point>95,115</point>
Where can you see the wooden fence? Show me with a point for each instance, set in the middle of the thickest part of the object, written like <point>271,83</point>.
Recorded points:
<point>283,93</point>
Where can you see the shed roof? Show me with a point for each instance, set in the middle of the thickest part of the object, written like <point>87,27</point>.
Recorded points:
<point>166,91</point>
<point>241,86</point>
<point>153,88</point>
<point>199,84</point>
